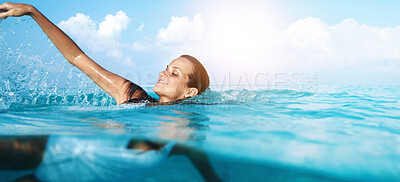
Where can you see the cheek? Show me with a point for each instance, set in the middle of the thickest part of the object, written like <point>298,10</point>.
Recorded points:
<point>177,83</point>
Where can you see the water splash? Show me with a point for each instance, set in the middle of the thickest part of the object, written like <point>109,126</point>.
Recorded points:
<point>34,72</point>
<point>244,96</point>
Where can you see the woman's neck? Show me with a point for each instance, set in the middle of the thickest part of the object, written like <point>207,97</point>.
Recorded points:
<point>164,99</point>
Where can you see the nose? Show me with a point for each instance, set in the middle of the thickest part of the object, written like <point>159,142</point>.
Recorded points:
<point>163,73</point>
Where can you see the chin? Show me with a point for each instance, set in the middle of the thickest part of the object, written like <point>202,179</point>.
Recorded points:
<point>157,89</point>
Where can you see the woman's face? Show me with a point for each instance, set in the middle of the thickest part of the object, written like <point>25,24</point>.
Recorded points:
<point>172,82</point>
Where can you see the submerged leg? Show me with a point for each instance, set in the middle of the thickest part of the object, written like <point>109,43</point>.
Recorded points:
<point>22,153</point>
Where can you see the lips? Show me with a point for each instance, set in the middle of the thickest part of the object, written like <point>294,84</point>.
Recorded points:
<point>162,82</point>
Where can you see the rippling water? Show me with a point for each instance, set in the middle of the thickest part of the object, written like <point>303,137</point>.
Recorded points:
<point>325,133</point>
<point>346,132</point>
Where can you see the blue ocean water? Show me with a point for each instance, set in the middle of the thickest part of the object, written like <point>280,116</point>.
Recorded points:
<point>340,132</point>
<point>320,133</point>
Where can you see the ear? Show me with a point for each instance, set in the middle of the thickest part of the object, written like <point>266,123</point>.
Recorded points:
<point>192,92</point>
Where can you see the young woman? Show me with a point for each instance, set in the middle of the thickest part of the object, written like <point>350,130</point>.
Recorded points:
<point>184,77</point>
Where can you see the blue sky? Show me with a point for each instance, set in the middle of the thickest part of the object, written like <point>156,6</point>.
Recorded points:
<point>247,42</point>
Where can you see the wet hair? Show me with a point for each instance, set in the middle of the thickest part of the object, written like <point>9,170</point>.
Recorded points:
<point>199,77</point>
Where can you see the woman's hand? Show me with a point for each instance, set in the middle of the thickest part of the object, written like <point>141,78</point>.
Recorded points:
<point>14,9</point>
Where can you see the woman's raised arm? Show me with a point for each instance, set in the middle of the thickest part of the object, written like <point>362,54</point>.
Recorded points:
<point>111,83</point>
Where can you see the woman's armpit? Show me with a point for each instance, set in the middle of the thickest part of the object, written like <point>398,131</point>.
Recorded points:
<point>139,93</point>
<point>134,91</point>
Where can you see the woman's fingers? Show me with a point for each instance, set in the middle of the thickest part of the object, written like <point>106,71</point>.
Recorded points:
<point>4,15</point>
<point>4,11</point>
<point>4,7</point>
<point>13,9</point>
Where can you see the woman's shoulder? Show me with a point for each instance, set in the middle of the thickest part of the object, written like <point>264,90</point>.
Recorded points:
<point>137,94</point>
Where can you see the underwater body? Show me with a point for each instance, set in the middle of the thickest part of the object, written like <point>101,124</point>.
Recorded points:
<point>319,133</point>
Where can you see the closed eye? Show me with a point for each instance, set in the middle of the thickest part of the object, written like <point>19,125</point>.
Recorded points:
<point>174,72</point>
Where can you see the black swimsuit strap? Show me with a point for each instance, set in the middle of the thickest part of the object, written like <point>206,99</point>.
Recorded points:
<point>141,100</point>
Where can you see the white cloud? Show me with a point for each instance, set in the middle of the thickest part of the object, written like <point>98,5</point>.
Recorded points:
<point>347,43</point>
<point>309,34</point>
<point>181,29</point>
<point>112,26</point>
<point>140,28</point>
<point>138,46</point>
<point>345,53</point>
<point>105,38</point>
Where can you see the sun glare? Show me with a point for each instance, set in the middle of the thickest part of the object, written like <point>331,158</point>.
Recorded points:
<point>241,31</point>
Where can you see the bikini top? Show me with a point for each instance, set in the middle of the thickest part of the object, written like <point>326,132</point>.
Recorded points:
<point>146,99</point>
<point>141,96</point>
